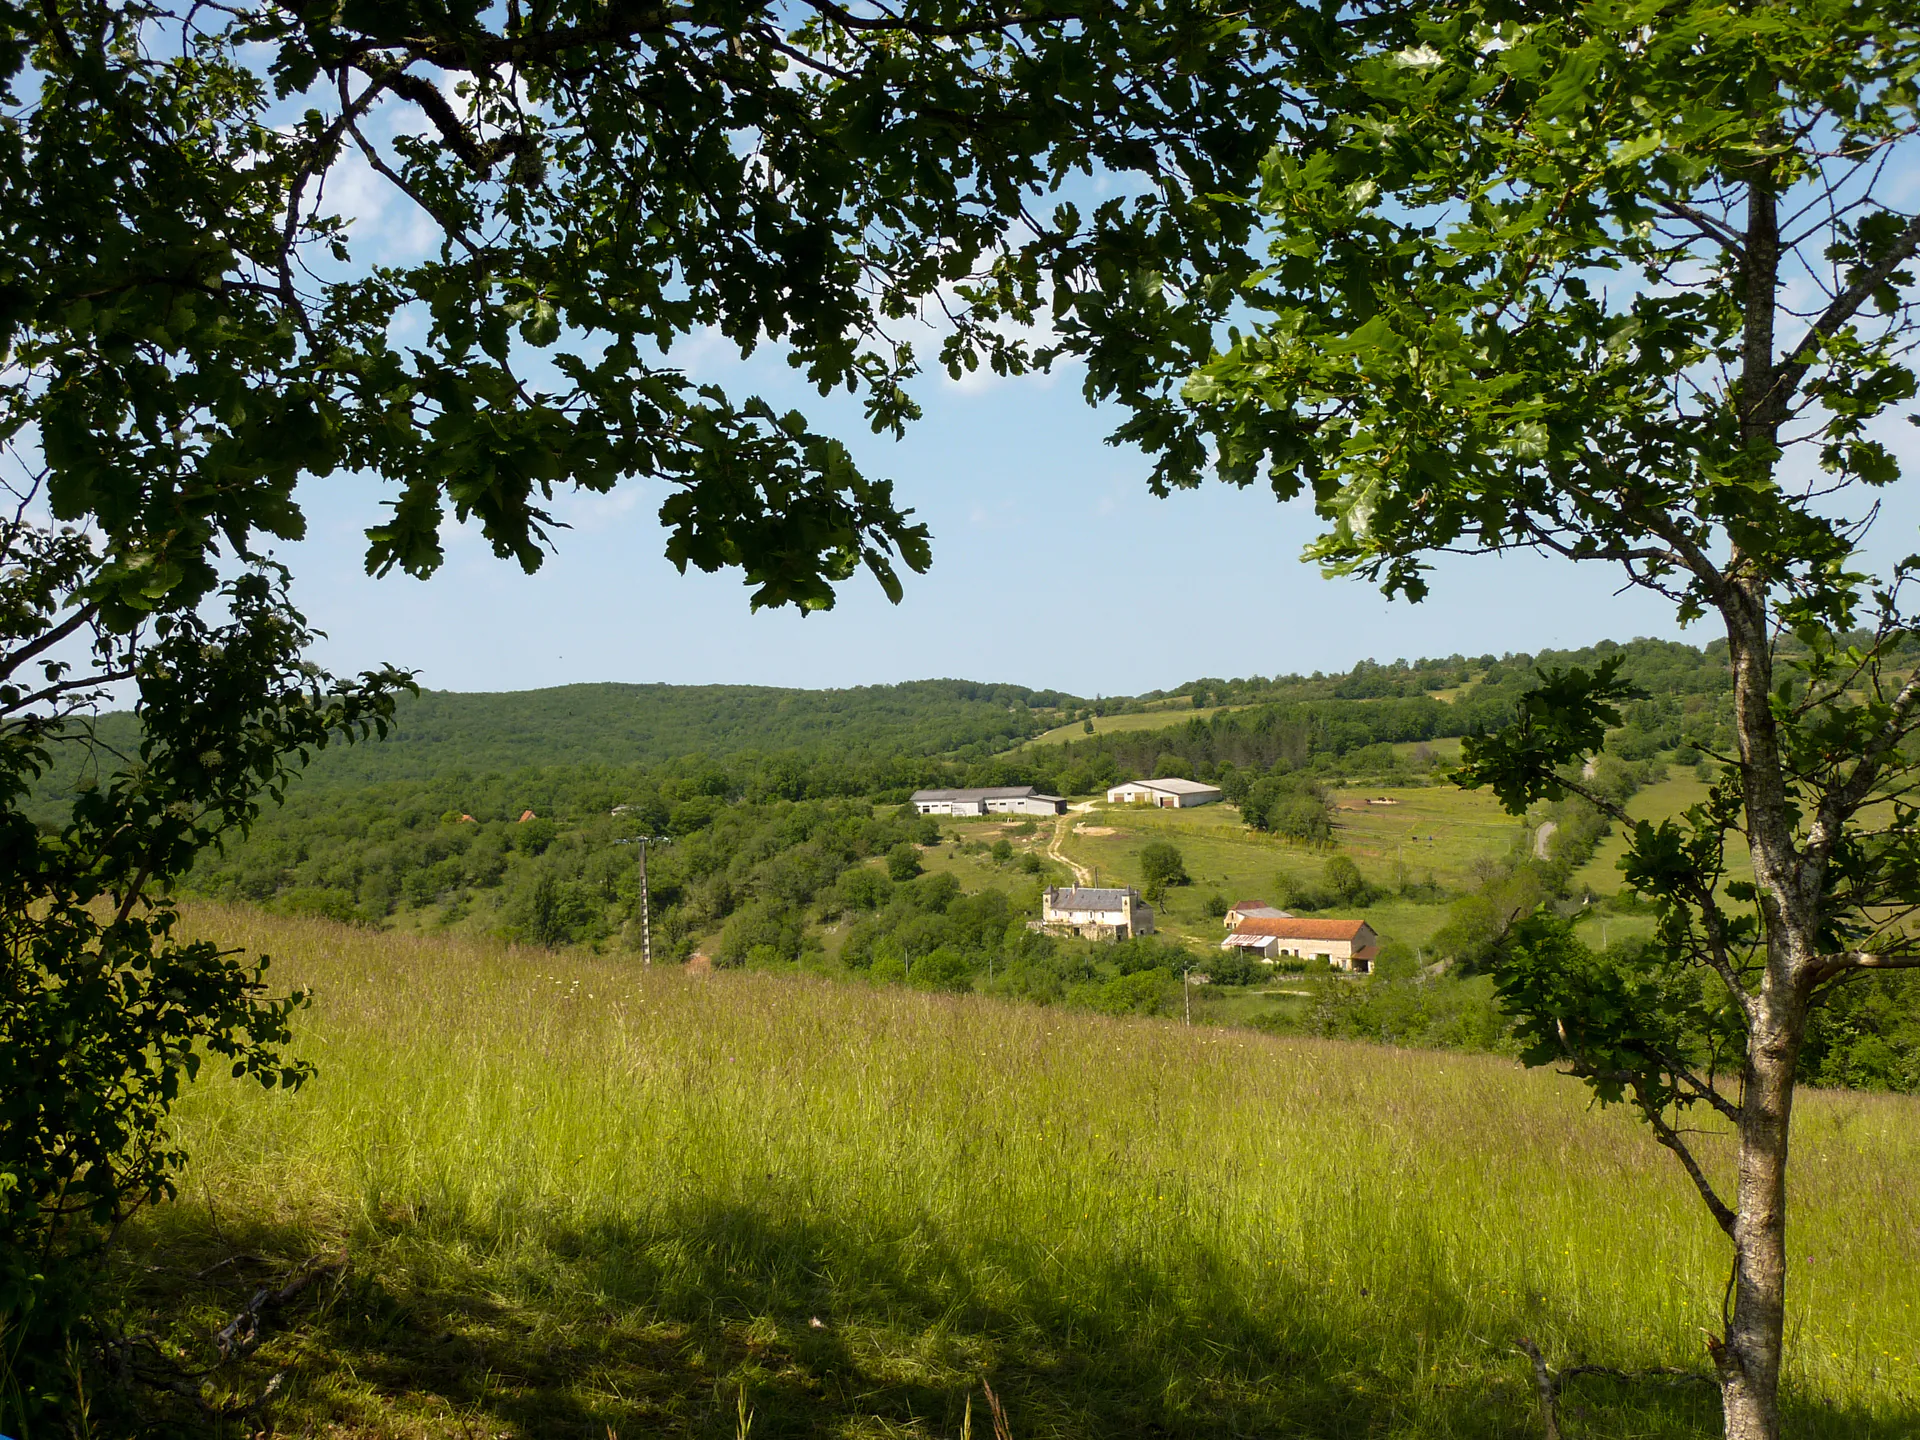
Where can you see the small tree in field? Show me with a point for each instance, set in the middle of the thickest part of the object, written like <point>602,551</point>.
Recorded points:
<point>1344,880</point>
<point>1162,864</point>
<point>1633,286</point>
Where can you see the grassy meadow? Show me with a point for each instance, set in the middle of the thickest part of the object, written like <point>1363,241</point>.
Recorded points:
<point>1158,716</point>
<point>580,1200</point>
<point>1435,831</point>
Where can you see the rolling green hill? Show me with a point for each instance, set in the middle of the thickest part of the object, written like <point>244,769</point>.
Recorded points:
<point>1257,720</point>
<point>785,807</point>
<point>612,724</point>
<point>572,727</point>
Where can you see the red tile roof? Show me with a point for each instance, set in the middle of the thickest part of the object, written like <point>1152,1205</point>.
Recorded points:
<point>1292,929</point>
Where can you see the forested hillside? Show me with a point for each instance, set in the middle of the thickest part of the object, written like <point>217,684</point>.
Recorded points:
<point>1348,724</point>
<point>884,738</point>
<point>882,731</point>
<point>792,844</point>
<point>648,724</point>
<point>379,830</point>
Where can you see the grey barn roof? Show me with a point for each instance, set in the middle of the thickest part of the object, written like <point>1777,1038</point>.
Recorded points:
<point>996,792</point>
<point>1173,786</point>
<point>1088,899</point>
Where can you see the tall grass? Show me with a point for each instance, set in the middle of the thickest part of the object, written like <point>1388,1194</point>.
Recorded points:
<point>580,1197</point>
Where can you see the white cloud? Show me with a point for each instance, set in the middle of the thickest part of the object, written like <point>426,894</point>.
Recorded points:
<point>380,216</point>
<point>588,512</point>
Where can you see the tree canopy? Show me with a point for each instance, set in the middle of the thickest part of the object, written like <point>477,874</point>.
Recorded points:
<point>1630,284</point>
<point>194,326</point>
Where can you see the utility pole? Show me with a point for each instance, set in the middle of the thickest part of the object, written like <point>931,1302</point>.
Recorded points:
<point>646,904</point>
<point>1186,988</point>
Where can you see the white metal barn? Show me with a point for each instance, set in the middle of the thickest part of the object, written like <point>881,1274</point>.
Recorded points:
<point>1164,794</point>
<point>991,800</point>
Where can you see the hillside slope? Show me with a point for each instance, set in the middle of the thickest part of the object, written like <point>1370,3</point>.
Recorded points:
<point>611,724</point>
<point>580,1199</point>
<point>443,733</point>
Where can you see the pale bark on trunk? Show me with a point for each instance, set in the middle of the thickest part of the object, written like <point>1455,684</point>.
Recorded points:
<point>1748,1359</point>
<point>1748,1355</point>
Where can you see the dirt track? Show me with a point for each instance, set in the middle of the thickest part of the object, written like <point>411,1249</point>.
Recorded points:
<point>1061,828</point>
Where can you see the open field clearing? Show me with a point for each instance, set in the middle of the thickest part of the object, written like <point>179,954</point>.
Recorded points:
<point>1668,798</point>
<point>1439,830</point>
<point>580,1200</point>
<point>1223,855</point>
<point>1466,826</point>
<point>1173,713</point>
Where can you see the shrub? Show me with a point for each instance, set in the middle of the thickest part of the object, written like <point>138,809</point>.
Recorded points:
<point>864,888</point>
<point>944,969</point>
<point>1293,807</point>
<point>543,914</point>
<point>1144,952</point>
<point>532,837</point>
<point>1235,967</point>
<point>934,892</point>
<point>1162,864</point>
<point>1344,879</point>
<point>903,862</point>
<point>889,962</point>
<point>1143,992</point>
<point>328,903</point>
<point>753,927</point>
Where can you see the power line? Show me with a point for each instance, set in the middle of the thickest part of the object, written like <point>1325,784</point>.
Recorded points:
<point>646,905</point>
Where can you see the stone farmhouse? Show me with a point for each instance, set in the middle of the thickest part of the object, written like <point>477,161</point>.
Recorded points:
<point>1345,944</point>
<point>1164,794</point>
<point>1094,914</point>
<point>993,800</point>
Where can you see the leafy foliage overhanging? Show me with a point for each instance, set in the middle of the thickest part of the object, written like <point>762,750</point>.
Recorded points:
<point>189,331</point>
<point>182,300</point>
<point>1632,284</point>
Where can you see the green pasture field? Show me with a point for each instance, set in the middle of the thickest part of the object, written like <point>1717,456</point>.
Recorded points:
<point>1440,830</point>
<point>1175,713</point>
<point>1656,802</point>
<point>1447,747</point>
<point>1223,855</point>
<point>980,872</point>
<point>576,1199</point>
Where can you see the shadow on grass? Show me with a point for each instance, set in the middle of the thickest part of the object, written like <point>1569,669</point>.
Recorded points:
<point>618,1331</point>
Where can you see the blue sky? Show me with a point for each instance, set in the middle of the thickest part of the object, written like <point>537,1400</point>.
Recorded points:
<point>1053,564</point>
<point>1053,567</point>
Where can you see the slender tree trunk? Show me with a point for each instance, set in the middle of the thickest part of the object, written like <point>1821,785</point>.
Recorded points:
<point>1748,1355</point>
<point>1748,1358</point>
